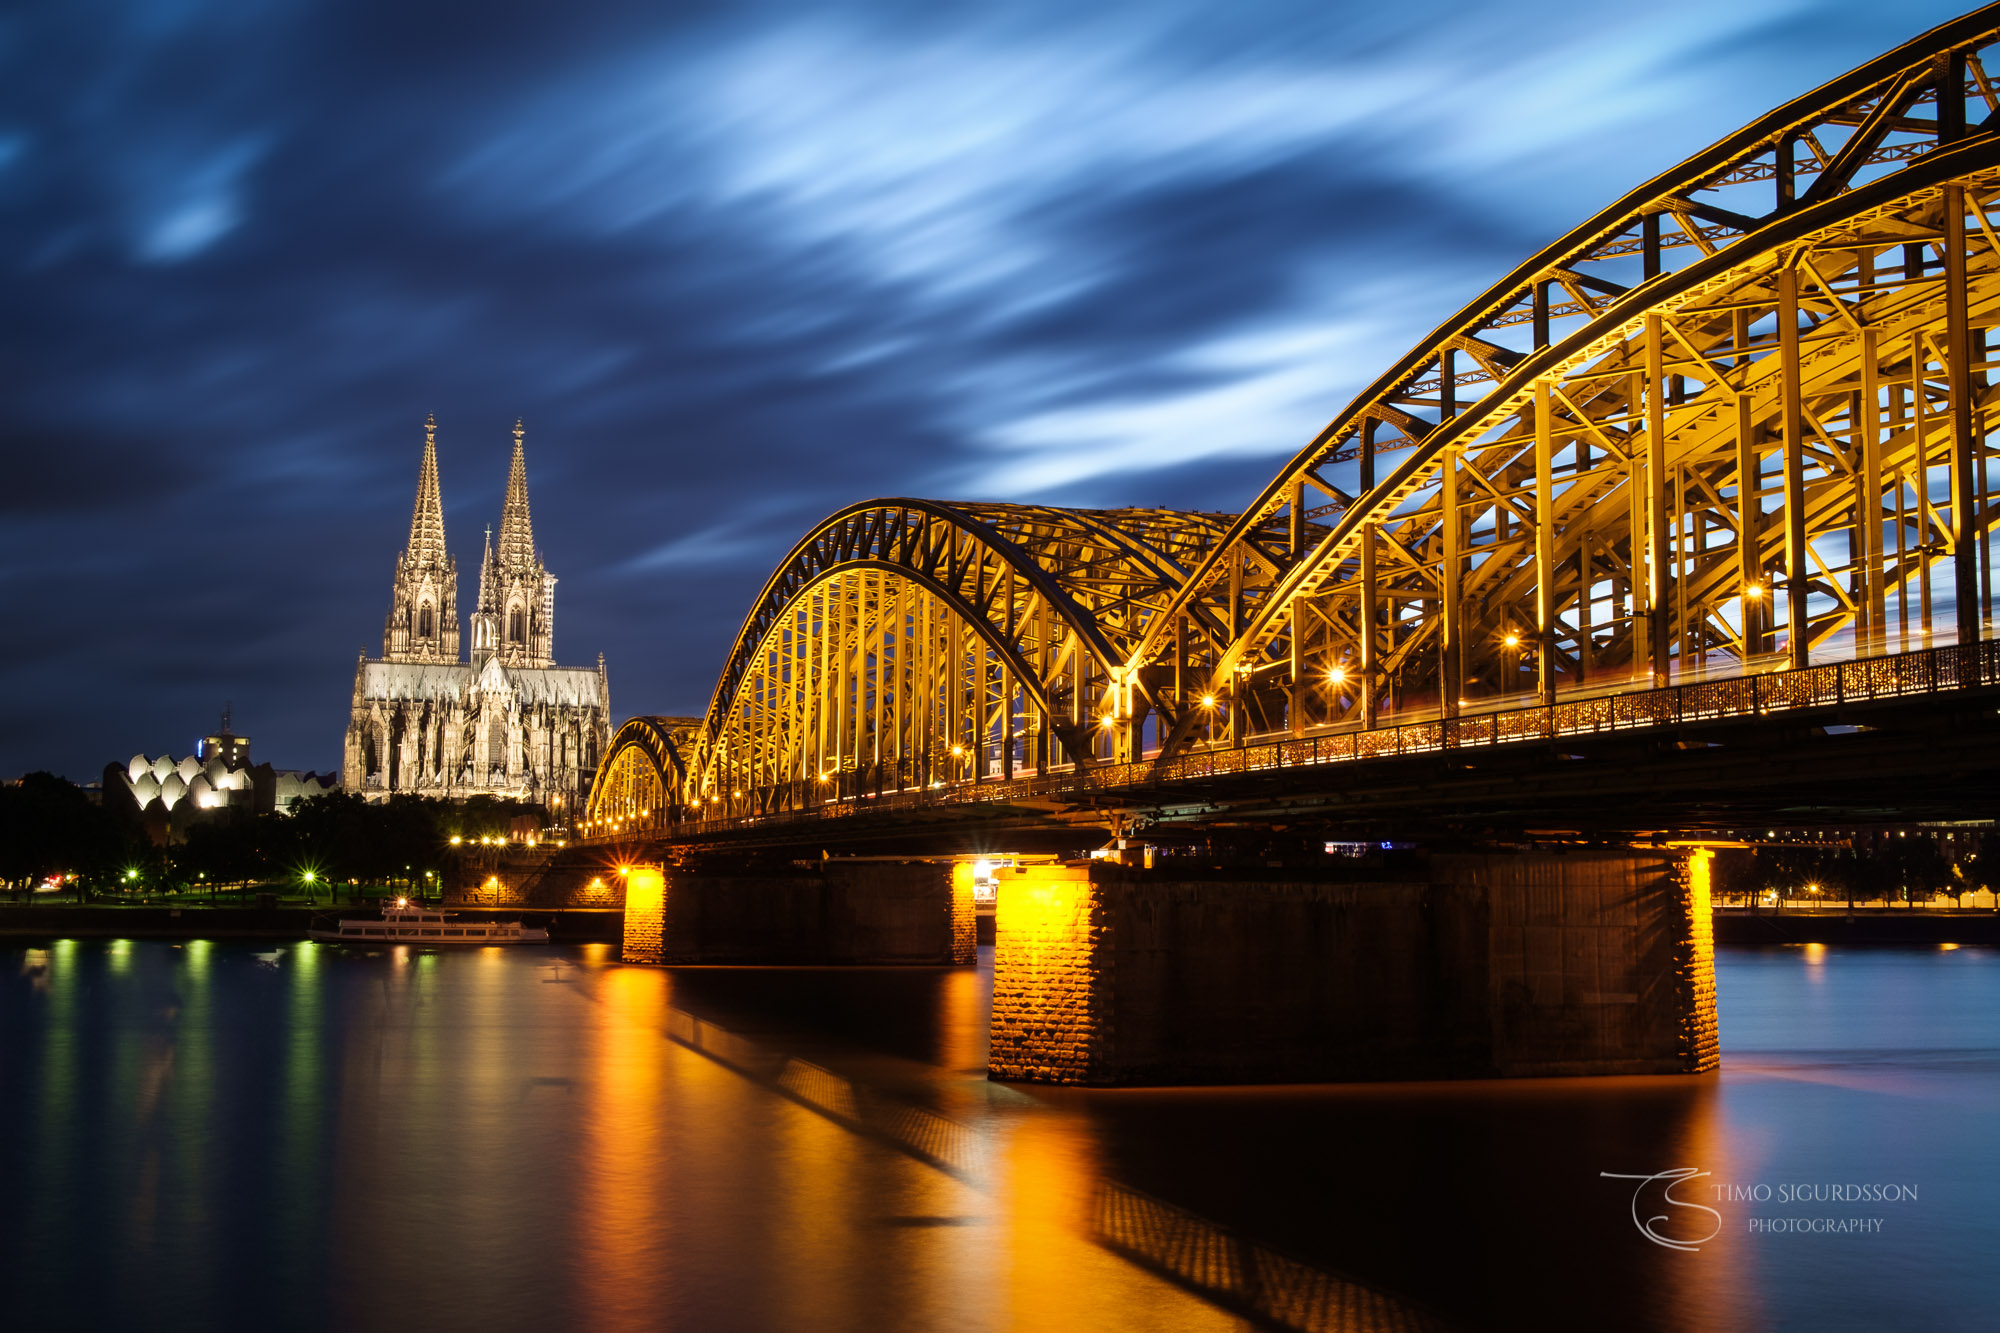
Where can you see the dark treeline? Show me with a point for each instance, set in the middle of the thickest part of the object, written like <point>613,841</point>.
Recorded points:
<point>50,827</point>
<point>1891,867</point>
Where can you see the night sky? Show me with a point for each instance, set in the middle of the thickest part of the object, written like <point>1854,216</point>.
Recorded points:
<point>736,267</point>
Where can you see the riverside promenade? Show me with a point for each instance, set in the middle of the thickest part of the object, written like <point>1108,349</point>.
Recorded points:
<point>289,922</point>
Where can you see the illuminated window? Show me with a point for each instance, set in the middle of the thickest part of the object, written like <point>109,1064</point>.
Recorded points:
<point>517,626</point>
<point>425,623</point>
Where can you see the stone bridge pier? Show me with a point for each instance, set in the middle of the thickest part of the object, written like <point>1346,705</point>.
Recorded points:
<point>856,911</point>
<point>1477,965</point>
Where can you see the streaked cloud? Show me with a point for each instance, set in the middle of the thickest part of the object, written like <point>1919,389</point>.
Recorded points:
<point>737,268</point>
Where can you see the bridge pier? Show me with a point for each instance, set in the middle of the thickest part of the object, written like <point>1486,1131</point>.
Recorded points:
<point>1494,965</point>
<point>828,912</point>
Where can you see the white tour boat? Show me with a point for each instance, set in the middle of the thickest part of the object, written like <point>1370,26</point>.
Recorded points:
<point>401,923</point>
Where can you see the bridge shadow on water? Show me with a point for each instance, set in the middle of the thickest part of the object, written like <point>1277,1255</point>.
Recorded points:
<point>1412,1206</point>
<point>1222,1266</point>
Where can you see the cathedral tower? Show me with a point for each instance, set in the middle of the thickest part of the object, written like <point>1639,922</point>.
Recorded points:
<point>515,620</point>
<point>509,723</point>
<point>423,604</point>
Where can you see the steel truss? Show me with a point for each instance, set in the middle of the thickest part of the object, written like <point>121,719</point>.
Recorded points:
<point>1741,412</point>
<point>640,781</point>
<point>1736,421</point>
<point>905,644</point>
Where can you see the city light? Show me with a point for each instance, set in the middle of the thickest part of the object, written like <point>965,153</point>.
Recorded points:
<point>455,840</point>
<point>1208,701</point>
<point>1512,640</point>
<point>1108,721</point>
<point>1336,675</point>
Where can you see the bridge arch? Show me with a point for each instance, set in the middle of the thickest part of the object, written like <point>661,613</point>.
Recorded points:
<point>640,780</point>
<point>909,643</point>
<point>1738,418</point>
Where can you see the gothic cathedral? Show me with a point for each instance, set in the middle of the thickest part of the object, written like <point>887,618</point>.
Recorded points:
<point>508,723</point>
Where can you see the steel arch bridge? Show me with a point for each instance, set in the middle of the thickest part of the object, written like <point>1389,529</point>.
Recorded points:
<point>1736,421</point>
<point>642,774</point>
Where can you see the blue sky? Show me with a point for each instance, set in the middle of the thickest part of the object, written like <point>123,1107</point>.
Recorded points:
<point>736,266</point>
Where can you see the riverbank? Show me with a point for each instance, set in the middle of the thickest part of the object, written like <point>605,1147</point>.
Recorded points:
<point>1741,926</point>
<point>108,920</point>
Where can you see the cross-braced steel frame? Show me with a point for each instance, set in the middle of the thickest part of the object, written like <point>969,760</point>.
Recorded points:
<point>640,780</point>
<point>1741,413</point>
<point>907,644</point>
<point>1738,419</point>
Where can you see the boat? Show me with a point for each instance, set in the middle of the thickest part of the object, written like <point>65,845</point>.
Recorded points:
<point>401,923</point>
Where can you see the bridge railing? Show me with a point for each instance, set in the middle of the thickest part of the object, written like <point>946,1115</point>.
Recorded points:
<point>1925,671</point>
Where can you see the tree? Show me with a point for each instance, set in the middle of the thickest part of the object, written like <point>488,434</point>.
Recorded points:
<point>50,826</point>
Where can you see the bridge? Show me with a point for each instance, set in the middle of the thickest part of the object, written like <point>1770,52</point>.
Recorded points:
<point>1682,523</point>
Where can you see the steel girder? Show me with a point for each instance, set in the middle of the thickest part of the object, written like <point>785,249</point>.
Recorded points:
<point>1757,380</point>
<point>911,642</point>
<point>641,776</point>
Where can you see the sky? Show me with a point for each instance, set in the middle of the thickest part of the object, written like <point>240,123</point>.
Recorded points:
<point>735,267</point>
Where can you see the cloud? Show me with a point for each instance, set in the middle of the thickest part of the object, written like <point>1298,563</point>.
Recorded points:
<point>738,267</point>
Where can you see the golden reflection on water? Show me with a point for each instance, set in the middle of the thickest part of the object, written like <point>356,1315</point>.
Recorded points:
<point>1048,1172</point>
<point>625,1176</point>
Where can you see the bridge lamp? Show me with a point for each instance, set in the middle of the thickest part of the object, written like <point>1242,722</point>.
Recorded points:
<point>1512,640</point>
<point>1336,675</point>
<point>1208,701</point>
<point>455,840</point>
<point>736,793</point>
<point>1108,721</point>
<point>1753,591</point>
<point>957,751</point>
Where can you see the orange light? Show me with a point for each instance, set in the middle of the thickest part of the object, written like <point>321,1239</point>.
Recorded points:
<point>1336,675</point>
<point>1512,641</point>
<point>958,749</point>
<point>1208,701</point>
<point>1109,721</point>
<point>1753,592</point>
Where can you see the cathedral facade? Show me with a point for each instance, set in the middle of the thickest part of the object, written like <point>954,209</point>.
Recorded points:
<point>505,721</point>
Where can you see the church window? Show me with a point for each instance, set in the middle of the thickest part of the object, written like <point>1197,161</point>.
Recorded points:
<point>517,626</point>
<point>425,627</point>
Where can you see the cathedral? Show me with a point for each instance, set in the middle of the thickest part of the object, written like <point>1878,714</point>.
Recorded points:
<point>507,722</point>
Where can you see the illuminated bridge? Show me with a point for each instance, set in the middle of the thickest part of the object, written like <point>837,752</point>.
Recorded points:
<point>1683,520</point>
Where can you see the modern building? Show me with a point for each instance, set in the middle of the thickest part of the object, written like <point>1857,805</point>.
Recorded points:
<point>507,722</point>
<point>168,795</point>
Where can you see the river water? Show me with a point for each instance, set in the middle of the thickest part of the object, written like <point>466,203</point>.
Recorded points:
<point>207,1135</point>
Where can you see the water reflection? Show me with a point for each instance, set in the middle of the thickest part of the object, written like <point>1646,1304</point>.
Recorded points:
<point>203,1136</point>
<point>625,1178</point>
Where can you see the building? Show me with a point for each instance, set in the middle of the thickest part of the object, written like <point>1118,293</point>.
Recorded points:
<point>507,722</point>
<point>168,795</point>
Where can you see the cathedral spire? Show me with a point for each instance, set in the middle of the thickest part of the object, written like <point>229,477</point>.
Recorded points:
<point>517,530</point>
<point>423,602</point>
<point>427,515</point>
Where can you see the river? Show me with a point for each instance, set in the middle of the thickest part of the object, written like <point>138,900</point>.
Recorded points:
<point>202,1135</point>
